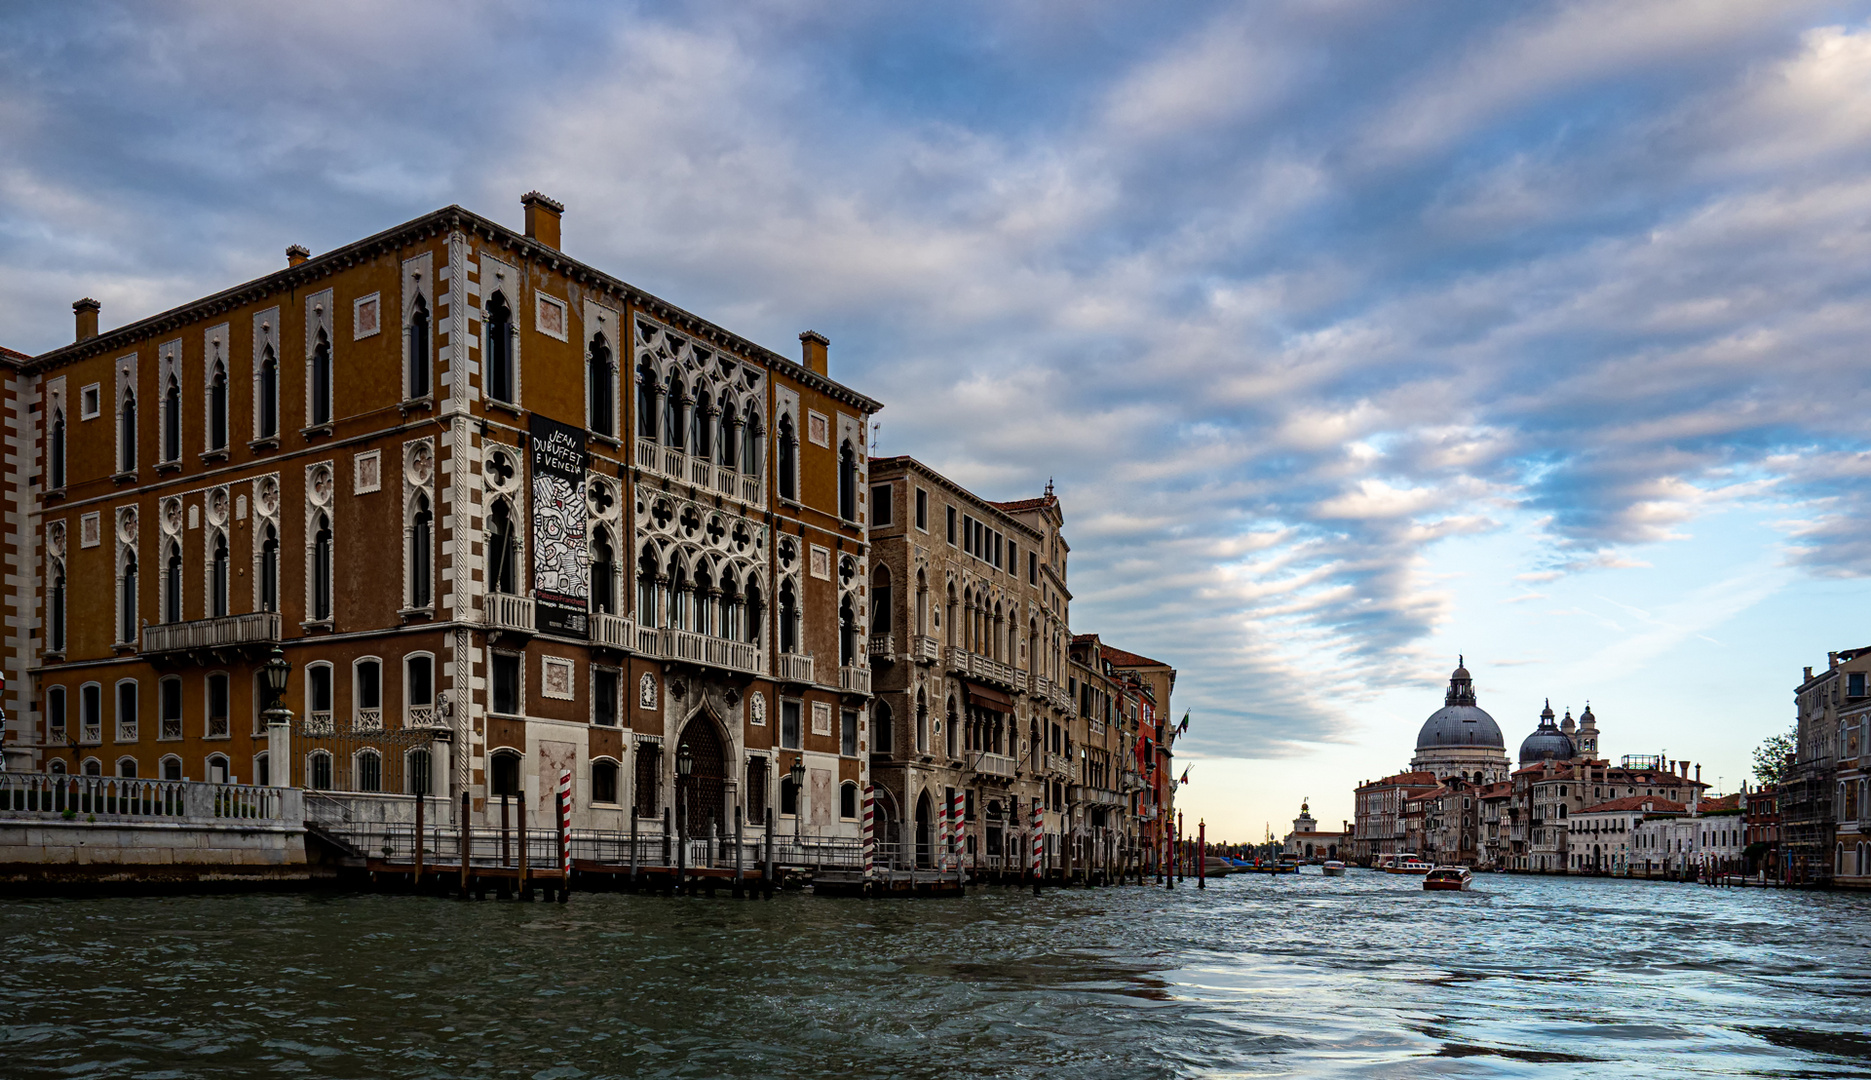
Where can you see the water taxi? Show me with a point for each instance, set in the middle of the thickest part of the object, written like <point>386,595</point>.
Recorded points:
<point>1333,868</point>
<point>1453,878</point>
<point>1404,863</point>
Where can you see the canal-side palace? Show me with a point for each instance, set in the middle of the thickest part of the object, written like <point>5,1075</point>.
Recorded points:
<point>510,517</point>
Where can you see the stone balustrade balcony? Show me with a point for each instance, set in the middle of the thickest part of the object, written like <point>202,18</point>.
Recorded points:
<point>854,680</point>
<point>207,637</point>
<point>795,668</point>
<point>508,613</point>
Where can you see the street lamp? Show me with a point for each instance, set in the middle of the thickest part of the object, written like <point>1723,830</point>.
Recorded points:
<point>278,736</point>
<point>277,669</point>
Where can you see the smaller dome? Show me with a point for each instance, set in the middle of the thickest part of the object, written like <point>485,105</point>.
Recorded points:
<point>1547,743</point>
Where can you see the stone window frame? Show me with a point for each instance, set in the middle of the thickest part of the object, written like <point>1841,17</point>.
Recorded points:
<point>519,691</point>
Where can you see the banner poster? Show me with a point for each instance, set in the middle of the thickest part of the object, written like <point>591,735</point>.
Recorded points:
<point>561,551</point>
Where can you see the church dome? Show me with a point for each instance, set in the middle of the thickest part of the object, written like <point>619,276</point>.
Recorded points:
<point>1460,722</point>
<point>1547,743</point>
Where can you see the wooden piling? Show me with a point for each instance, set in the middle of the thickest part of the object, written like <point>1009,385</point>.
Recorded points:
<point>526,880</point>
<point>767,870</point>
<point>633,849</point>
<point>416,882</point>
<point>467,806</point>
<point>739,874</point>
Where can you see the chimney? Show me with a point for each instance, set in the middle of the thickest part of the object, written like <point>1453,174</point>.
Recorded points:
<point>297,254</point>
<point>1809,674</point>
<point>814,344</point>
<point>542,218</point>
<point>1832,660</point>
<point>86,310</point>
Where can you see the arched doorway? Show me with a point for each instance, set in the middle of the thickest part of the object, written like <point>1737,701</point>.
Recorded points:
<point>925,832</point>
<point>703,793</point>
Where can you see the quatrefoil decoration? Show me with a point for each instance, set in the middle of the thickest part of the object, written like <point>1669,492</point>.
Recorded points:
<point>500,468</point>
<point>741,537</point>
<point>788,552</point>
<point>601,499</point>
<point>716,530</point>
<point>847,569</point>
<point>663,513</point>
<point>689,522</point>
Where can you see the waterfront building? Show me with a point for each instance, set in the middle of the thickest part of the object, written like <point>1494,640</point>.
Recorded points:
<point>1601,838</point>
<point>1851,842</point>
<point>1760,810</point>
<point>506,514</point>
<point>1379,828</point>
<point>1308,841</point>
<point>1155,773</point>
<point>1811,796</point>
<point>1703,839</point>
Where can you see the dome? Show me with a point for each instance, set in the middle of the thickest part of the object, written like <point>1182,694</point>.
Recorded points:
<point>1460,722</point>
<point>1547,743</point>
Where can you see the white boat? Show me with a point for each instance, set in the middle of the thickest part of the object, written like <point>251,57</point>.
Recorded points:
<point>1333,868</point>
<point>1451,878</point>
<point>1404,863</point>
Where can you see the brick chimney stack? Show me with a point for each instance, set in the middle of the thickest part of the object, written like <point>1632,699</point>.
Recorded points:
<point>542,218</point>
<point>86,310</point>
<point>297,254</point>
<point>814,345</point>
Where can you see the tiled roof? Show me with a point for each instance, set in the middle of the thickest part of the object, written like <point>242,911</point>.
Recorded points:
<point>1635,802</point>
<point>1025,504</point>
<point>1129,659</point>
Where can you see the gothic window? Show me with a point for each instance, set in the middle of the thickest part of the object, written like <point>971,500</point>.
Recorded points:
<point>217,407</point>
<point>55,455</point>
<point>217,578</point>
<point>730,625</point>
<point>55,609</point>
<point>126,599</point>
<point>751,434</point>
<point>172,421</point>
<point>922,723</point>
<point>603,572</point>
<point>419,349</point>
<point>883,733</point>
<point>218,705</point>
<point>172,585</point>
<point>421,545</point>
<point>730,434</point>
<point>647,572</point>
<point>847,482</point>
<point>678,595</point>
<point>269,394</point>
<point>269,570</point>
<point>789,619</point>
<point>704,612</point>
<point>756,611</point>
<point>703,423</point>
<point>648,388</point>
<point>503,550</point>
<point>847,633</point>
<point>598,374</point>
<point>500,374</point>
<point>789,460</point>
<point>880,600</point>
<point>321,381</point>
<point>321,569</point>
<point>673,428</point>
<point>126,432</point>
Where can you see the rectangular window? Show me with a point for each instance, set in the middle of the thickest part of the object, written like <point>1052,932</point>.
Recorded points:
<point>757,790</point>
<point>506,684</point>
<point>91,713</point>
<point>1013,558</point>
<point>951,526</point>
<point>604,697</point>
<point>848,733</point>
<point>55,714</point>
<point>88,398</point>
<point>883,507</point>
<point>420,680</point>
<point>217,705</point>
<point>922,509</point>
<point>319,688</point>
<point>789,724</point>
<point>1032,568</point>
<point>604,782</point>
<point>647,771</point>
<point>883,737</point>
<point>1855,684</point>
<point>998,551</point>
<point>126,712</point>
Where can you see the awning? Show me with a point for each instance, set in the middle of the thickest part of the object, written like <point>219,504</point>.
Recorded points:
<point>988,698</point>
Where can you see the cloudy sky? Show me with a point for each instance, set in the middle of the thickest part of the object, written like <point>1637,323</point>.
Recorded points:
<point>1356,335</point>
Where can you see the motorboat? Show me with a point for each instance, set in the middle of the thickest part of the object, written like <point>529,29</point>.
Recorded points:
<point>1406,863</point>
<point>1333,868</point>
<point>1450,878</point>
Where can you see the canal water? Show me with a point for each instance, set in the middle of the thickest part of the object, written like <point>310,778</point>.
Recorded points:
<point>1358,976</point>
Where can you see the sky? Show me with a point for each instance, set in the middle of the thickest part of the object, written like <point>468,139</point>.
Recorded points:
<point>1356,336</point>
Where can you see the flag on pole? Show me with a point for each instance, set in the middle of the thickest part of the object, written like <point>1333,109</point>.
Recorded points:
<point>1183,728</point>
<point>1185,776</point>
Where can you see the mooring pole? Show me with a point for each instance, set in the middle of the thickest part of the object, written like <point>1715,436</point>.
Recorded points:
<point>740,839</point>
<point>416,884</point>
<point>633,849</point>
<point>562,834</point>
<point>667,862</point>
<point>1039,845</point>
<point>467,806</point>
<point>682,846</point>
<point>506,854</point>
<point>767,869</point>
<point>526,882</point>
<point>1201,854</point>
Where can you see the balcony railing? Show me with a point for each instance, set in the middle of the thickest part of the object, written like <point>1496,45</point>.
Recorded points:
<point>702,649</point>
<point>422,716</point>
<point>699,471</point>
<point>613,632</point>
<point>91,733</point>
<point>648,454</point>
<point>217,727</point>
<point>649,641</point>
<point>991,670</point>
<point>1059,765</point>
<point>995,765</point>
<point>957,659</point>
<point>795,667</point>
<point>171,728</point>
<point>682,645</point>
<point>1096,796</point>
<point>1039,685</point>
<point>855,680</point>
<point>505,611</point>
<point>924,649</point>
<point>318,722</point>
<point>367,720</point>
<point>253,628</point>
<point>883,645</point>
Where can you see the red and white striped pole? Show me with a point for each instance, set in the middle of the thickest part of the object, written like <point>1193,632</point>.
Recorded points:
<point>1039,844</point>
<point>870,836</point>
<point>960,843</point>
<point>565,829</point>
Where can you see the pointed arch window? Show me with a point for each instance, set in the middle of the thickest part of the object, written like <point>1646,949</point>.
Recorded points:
<point>172,585</point>
<point>217,578</point>
<point>269,394</point>
<point>751,433</point>
<point>703,423</point>
<point>649,388</point>
<point>55,451</point>
<point>789,460</point>
<point>673,427</point>
<point>730,435</point>
<point>603,573</point>
<point>678,594</point>
<point>126,432</point>
<point>847,634</point>
<point>217,407</point>
<point>55,609</point>
<point>269,570</point>
<point>500,374</point>
<point>172,421</point>
<point>756,611</point>
<point>789,619</point>
<point>126,599</point>
<point>321,381</point>
<point>598,375</point>
<point>321,570</point>
<point>421,543</point>
<point>847,482</point>
<point>502,550</point>
<point>647,572</point>
<point>419,348</point>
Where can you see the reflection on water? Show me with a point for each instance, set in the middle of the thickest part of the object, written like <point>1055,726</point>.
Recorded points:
<point>1358,976</point>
